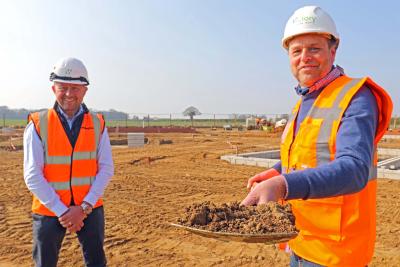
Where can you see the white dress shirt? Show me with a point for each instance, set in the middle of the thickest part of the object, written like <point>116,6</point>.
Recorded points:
<point>34,164</point>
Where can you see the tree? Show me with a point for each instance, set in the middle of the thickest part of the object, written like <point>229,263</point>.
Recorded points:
<point>191,112</point>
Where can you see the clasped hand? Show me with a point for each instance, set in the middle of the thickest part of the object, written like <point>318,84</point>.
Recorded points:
<point>73,219</point>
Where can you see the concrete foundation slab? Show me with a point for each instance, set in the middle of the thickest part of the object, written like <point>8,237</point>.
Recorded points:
<point>387,168</point>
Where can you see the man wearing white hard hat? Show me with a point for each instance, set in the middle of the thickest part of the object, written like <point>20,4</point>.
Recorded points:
<point>67,166</point>
<point>328,161</point>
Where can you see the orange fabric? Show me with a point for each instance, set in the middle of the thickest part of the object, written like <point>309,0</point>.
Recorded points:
<point>334,231</point>
<point>59,145</point>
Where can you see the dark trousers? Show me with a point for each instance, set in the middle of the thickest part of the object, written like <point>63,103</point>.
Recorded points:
<point>48,235</point>
<point>296,261</point>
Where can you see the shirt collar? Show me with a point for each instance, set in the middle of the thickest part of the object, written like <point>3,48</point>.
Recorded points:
<point>332,75</point>
<point>80,111</point>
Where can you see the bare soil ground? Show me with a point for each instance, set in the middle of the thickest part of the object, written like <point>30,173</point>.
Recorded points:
<point>152,186</point>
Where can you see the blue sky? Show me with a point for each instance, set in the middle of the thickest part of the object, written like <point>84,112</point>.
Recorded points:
<point>221,56</point>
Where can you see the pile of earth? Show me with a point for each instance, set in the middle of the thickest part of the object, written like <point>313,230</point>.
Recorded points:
<point>232,217</point>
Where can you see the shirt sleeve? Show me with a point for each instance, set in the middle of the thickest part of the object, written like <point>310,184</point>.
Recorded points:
<point>105,171</point>
<point>348,172</point>
<point>33,172</point>
<point>278,167</point>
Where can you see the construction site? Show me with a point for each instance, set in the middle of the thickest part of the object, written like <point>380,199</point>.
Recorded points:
<point>161,174</point>
<point>199,133</point>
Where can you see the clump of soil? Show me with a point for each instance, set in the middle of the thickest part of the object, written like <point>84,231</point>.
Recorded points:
<point>234,218</point>
<point>146,160</point>
<point>164,142</point>
<point>12,147</point>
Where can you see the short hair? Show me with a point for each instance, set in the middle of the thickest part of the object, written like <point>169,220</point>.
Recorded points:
<point>333,41</point>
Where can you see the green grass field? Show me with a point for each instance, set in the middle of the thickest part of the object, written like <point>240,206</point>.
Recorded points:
<point>12,123</point>
<point>139,123</point>
<point>176,122</point>
<point>395,123</point>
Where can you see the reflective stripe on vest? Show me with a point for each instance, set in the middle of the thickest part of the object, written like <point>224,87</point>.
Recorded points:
<point>43,121</point>
<point>329,115</point>
<point>74,182</point>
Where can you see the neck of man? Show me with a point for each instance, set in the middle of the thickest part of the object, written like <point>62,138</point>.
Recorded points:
<point>335,72</point>
<point>68,113</point>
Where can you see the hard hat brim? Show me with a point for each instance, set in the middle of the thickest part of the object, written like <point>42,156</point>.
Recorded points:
<point>285,41</point>
<point>70,82</point>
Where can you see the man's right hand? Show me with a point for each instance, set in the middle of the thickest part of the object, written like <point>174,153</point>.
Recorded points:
<point>272,189</point>
<point>253,181</point>
<point>73,219</point>
<point>75,227</point>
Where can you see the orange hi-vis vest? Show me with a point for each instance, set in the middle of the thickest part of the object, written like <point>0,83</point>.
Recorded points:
<point>334,231</point>
<point>69,170</point>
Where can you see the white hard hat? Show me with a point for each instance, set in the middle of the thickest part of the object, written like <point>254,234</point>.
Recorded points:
<point>70,70</point>
<point>309,19</point>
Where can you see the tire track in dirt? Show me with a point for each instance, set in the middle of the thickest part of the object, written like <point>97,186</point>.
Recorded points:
<point>15,224</point>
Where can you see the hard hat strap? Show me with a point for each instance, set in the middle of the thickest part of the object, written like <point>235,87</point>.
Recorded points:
<point>54,76</point>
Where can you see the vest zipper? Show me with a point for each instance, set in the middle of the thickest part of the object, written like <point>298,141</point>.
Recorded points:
<point>70,178</point>
<point>293,139</point>
<point>290,147</point>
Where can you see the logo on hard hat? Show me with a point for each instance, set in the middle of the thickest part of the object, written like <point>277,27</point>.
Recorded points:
<point>304,20</point>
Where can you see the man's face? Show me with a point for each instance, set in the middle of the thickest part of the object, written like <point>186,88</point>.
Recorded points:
<point>69,96</point>
<point>311,58</point>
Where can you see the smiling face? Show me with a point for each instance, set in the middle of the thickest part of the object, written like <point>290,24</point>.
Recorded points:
<point>311,58</point>
<point>69,96</point>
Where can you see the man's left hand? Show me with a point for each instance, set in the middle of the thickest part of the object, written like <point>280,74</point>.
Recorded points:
<point>272,189</point>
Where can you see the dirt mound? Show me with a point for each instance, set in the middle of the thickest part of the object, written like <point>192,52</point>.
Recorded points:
<point>151,129</point>
<point>232,217</point>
